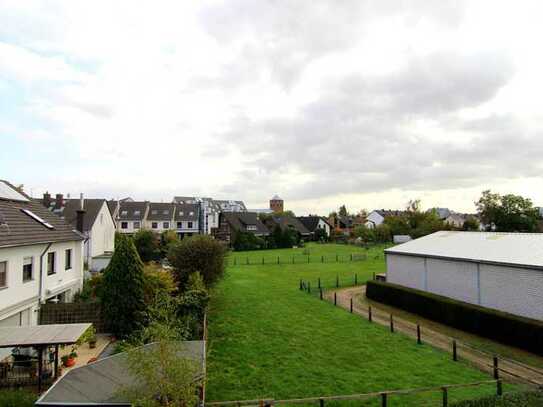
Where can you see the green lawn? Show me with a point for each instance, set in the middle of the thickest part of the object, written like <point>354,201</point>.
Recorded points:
<point>268,339</point>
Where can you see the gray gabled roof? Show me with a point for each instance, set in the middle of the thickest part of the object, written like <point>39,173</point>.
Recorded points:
<point>240,220</point>
<point>289,222</point>
<point>183,212</point>
<point>57,334</point>
<point>134,210</point>
<point>92,209</point>
<point>311,222</point>
<point>160,211</point>
<point>19,229</point>
<point>101,382</point>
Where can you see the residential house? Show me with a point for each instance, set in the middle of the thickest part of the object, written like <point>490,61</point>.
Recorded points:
<point>160,217</point>
<point>98,226</point>
<point>277,205</point>
<point>442,213</point>
<point>314,223</point>
<point>41,257</point>
<point>502,271</point>
<point>187,219</point>
<point>377,217</point>
<point>232,222</point>
<point>455,219</point>
<point>131,216</point>
<point>288,223</point>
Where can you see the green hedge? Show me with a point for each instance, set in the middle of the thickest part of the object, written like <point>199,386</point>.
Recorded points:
<point>506,328</point>
<point>526,399</point>
<point>16,398</point>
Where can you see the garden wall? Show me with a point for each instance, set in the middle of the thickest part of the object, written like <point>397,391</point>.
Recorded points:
<point>72,313</point>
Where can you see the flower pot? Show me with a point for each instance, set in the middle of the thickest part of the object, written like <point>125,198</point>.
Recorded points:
<point>69,362</point>
<point>92,344</point>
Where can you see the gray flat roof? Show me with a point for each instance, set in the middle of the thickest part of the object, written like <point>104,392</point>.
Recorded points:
<point>61,334</point>
<point>100,382</point>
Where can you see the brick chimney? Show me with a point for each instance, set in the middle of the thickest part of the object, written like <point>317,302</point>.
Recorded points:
<point>80,214</point>
<point>47,200</point>
<point>59,202</point>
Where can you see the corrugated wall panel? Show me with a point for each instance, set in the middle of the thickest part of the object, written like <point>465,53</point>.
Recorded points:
<point>406,270</point>
<point>453,279</point>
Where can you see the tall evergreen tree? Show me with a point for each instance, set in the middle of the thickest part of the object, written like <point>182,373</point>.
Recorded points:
<point>123,301</point>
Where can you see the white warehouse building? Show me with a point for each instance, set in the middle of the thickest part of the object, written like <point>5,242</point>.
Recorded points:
<point>502,271</point>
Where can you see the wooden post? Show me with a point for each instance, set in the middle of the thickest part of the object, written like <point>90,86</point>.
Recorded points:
<point>277,259</point>
<point>337,281</point>
<point>369,314</point>
<point>337,258</point>
<point>418,335</point>
<point>496,370</point>
<point>319,282</point>
<point>383,400</point>
<point>292,259</point>
<point>445,397</point>
<point>391,323</point>
<point>301,284</point>
<point>262,259</point>
<point>320,289</point>
<point>56,361</point>
<point>499,390</point>
<point>335,298</point>
<point>351,257</point>
<point>40,367</point>
<point>356,279</point>
<point>455,356</point>
<point>351,305</point>
<point>321,402</point>
<point>309,287</point>
<point>308,259</point>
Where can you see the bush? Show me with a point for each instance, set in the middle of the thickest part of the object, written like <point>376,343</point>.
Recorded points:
<point>193,305</point>
<point>147,244</point>
<point>123,296</point>
<point>92,289</point>
<point>198,253</point>
<point>525,399</point>
<point>320,235</point>
<point>167,239</point>
<point>510,329</point>
<point>157,281</point>
<point>17,398</point>
<point>247,241</point>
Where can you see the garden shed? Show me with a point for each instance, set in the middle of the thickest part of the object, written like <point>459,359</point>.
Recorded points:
<point>502,271</point>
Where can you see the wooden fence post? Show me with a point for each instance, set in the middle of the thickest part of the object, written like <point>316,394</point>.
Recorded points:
<point>369,314</point>
<point>308,259</point>
<point>320,292</point>
<point>356,279</point>
<point>337,258</point>
<point>418,335</point>
<point>337,281</point>
<point>391,323</point>
<point>322,259</point>
<point>496,369</point>
<point>309,287</point>
<point>301,284</point>
<point>277,259</point>
<point>262,259</point>
<point>321,402</point>
<point>383,400</point>
<point>292,259</point>
<point>499,390</point>
<point>335,298</point>
<point>351,257</point>
<point>351,305</point>
<point>455,355</point>
<point>445,397</point>
<point>319,282</point>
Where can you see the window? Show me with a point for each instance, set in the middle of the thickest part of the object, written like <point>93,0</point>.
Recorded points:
<point>191,214</point>
<point>154,225</point>
<point>181,213</point>
<point>28,274</point>
<point>124,225</point>
<point>136,225</point>
<point>179,225</point>
<point>51,263</point>
<point>68,259</point>
<point>251,227</point>
<point>189,225</point>
<point>165,225</point>
<point>165,212</point>
<point>124,213</point>
<point>137,213</point>
<point>3,274</point>
<point>154,212</point>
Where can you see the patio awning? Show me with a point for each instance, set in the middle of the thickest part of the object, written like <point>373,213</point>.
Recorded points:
<point>58,334</point>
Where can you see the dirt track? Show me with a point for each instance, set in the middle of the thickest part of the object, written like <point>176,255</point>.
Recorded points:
<point>508,368</point>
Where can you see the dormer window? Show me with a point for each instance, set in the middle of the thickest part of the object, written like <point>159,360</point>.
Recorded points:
<point>154,212</point>
<point>137,213</point>
<point>191,214</point>
<point>165,212</point>
<point>181,213</point>
<point>251,227</point>
<point>124,213</point>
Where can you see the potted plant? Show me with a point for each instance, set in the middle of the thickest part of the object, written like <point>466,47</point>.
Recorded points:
<point>69,360</point>
<point>92,338</point>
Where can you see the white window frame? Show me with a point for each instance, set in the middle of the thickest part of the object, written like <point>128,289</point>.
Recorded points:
<point>25,259</point>
<point>66,268</point>
<point>124,225</point>
<point>190,225</point>
<point>54,263</point>
<point>179,225</point>
<point>165,225</point>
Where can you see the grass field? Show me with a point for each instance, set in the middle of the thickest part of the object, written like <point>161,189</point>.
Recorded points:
<point>268,339</point>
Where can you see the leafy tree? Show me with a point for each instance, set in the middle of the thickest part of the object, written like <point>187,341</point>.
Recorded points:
<point>398,225</point>
<point>507,213</point>
<point>92,289</point>
<point>366,234</point>
<point>123,301</point>
<point>382,233</point>
<point>200,253</point>
<point>147,244</point>
<point>167,239</point>
<point>471,223</point>
<point>320,235</point>
<point>193,305</point>
<point>247,241</point>
<point>343,211</point>
<point>157,281</point>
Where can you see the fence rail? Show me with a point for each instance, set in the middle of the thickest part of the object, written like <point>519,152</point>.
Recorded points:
<point>383,395</point>
<point>299,259</point>
<point>512,369</point>
<point>72,313</point>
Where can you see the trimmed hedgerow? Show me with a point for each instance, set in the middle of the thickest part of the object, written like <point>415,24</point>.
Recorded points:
<point>509,329</point>
<point>526,399</point>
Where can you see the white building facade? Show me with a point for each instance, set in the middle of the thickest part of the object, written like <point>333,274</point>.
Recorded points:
<point>502,271</point>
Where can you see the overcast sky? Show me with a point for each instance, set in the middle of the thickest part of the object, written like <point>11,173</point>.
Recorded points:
<point>367,103</point>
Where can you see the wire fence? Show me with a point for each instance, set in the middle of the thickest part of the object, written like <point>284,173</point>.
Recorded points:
<point>512,369</point>
<point>252,260</point>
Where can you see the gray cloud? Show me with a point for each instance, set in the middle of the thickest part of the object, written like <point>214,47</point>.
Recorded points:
<point>359,136</point>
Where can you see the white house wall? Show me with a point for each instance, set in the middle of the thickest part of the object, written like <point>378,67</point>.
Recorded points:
<point>102,234</point>
<point>374,219</point>
<point>513,290</point>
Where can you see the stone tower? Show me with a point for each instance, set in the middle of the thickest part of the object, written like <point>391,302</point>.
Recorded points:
<point>276,204</point>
